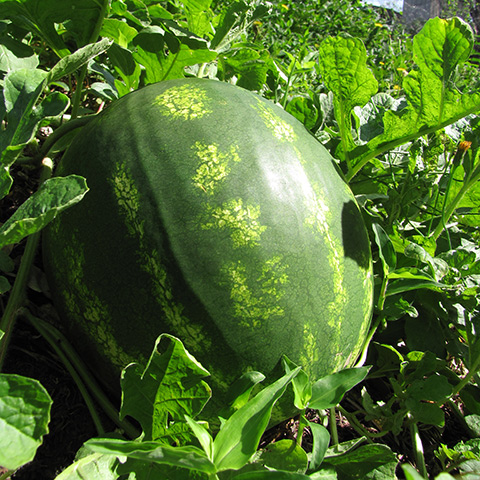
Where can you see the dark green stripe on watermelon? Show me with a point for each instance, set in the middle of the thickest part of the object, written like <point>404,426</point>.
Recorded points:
<point>213,215</point>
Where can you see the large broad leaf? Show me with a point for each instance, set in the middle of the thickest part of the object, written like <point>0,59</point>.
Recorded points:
<point>342,62</point>
<point>433,99</point>
<point>24,416</point>
<point>70,63</point>
<point>43,16</point>
<point>169,388</point>
<point>22,88</point>
<point>53,196</point>
<point>159,68</point>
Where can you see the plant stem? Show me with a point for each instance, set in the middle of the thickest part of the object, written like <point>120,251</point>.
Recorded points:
<point>7,474</point>
<point>77,96</point>
<point>451,208</point>
<point>81,375</point>
<point>359,428</point>
<point>418,447</point>
<point>17,294</point>
<point>76,378</point>
<point>333,427</point>
<point>62,131</point>
<point>289,82</point>
<point>201,70</point>
<point>301,427</point>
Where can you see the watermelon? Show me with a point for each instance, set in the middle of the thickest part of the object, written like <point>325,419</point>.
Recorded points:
<point>215,216</point>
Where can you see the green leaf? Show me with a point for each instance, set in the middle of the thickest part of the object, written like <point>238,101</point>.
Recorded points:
<point>72,62</point>
<point>303,109</point>
<point>427,413</point>
<point>94,467</point>
<point>302,387</point>
<point>249,65</point>
<point>169,388</point>
<point>386,250</point>
<point>411,473</point>
<point>42,17</point>
<point>24,416</point>
<point>368,462</point>
<point>117,30</point>
<point>239,392</point>
<point>15,55</point>
<point>441,45</point>
<point>435,388</point>
<point>343,66</point>
<point>321,440</point>
<point>342,62</point>
<point>344,447</point>
<point>203,436</point>
<point>406,285</point>
<point>159,68</point>
<point>329,391</point>
<point>124,64</point>
<point>231,17</point>
<point>4,285</point>
<point>473,422</point>
<point>271,475</point>
<point>433,100</point>
<point>284,455</point>
<point>239,436</point>
<point>7,265</point>
<point>22,88</point>
<point>188,457</point>
<point>6,180</point>
<point>152,39</point>
<point>53,196</point>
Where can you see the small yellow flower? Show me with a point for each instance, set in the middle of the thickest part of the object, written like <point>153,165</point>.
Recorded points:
<point>464,145</point>
<point>396,87</point>
<point>285,7</point>
<point>382,63</point>
<point>378,24</point>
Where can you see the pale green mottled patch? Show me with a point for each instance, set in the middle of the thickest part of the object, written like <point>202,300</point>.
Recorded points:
<point>281,129</point>
<point>87,309</point>
<point>187,102</point>
<point>241,221</point>
<point>319,221</point>
<point>214,166</point>
<point>128,200</point>
<point>150,262</point>
<point>190,333</point>
<point>253,308</point>
<point>310,354</point>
